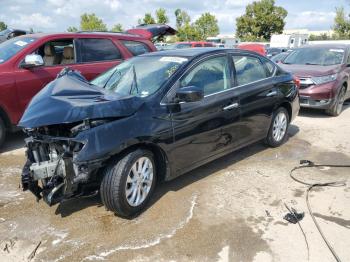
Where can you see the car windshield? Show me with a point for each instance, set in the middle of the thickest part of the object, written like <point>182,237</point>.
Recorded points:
<point>11,47</point>
<point>316,56</point>
<point>279,57</point>
<point>139,76</point>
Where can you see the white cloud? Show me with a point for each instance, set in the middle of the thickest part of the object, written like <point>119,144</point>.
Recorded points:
<point>33,20</point>
<point>114,4</point>
<point>311,19</point>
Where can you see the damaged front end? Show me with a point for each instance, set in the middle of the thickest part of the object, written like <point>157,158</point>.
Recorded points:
<point>51,171</point>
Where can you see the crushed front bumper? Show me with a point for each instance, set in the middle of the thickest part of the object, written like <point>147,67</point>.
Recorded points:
<point>51,174</point>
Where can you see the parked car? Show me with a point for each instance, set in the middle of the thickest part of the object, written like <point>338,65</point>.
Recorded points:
<point>324,72</point>
<point>272,51</point>
<point>279,58</point>
<point>28,63</point>
<point>11,33</point>
<point>180,45</point>
<point>149,119</point>
<point>258,48</point>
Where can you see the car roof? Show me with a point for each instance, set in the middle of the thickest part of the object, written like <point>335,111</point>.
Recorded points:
<point>198,51</point>
<point>87,33</point>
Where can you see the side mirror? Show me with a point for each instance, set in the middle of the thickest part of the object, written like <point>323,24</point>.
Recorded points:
<point>189,94</point>
<point>32,60</point>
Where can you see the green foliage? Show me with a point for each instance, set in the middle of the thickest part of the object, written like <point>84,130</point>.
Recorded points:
<point>3,26</point>
<point>206,25</point>
<point>161,16</point>
<point>72,29</point>
<point>117,28</point>
<point>341,24</point>
<point>147,19</point>
<point>182,18</point>
<point>320,37</point>
<point>90,22</point>
<point>260,21</point>
<point>185,30</point>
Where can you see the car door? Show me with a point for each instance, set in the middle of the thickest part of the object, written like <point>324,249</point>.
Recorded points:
<point>201,128</point>
<point>258,95</point>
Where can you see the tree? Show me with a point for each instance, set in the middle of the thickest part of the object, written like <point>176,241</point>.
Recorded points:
<point>147,19</point>
<point>185,30</point>
<point>260,21</point>
<point>117,28</point>
<point>3,26</point>
<point>72,29</point>
<point>90,22</point>
<point>182,18</point>
<point>341,24</point>
<point>161,16</point>
<point>206,25</point>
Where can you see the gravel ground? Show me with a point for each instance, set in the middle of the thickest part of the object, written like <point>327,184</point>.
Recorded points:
<point>229,210</point>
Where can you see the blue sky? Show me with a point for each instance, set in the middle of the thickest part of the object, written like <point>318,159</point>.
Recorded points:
<point>57,15</point>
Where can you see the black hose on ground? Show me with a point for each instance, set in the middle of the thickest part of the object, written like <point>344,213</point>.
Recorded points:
<point>310,164</point>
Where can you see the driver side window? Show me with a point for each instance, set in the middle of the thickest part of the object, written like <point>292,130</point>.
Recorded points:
<point>213,75</point>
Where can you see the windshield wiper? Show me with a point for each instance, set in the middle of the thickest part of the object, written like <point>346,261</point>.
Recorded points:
<point>134,81</point>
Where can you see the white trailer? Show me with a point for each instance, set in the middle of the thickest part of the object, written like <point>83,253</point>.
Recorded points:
<point>227,41</point>
<point>289,40</point>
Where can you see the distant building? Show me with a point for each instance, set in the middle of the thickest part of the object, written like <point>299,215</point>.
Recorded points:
<point>329,33</point>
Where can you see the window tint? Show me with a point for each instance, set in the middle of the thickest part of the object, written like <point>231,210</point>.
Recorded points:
<point>197,45</point>
<point>208,45</point>
<point>136,48</point>
<point>93,50</point>
<point>248,69</point>
<point>212,75</point>
<point>270,67</point>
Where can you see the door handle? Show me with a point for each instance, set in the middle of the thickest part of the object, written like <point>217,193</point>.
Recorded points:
<point>232,106</point>
<point>271,93</point>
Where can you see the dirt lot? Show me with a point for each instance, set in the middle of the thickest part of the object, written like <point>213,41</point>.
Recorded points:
<point>229,210</point>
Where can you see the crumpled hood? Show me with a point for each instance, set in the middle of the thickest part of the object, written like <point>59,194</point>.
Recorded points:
<point>310,70</point>
<point>70,98</point>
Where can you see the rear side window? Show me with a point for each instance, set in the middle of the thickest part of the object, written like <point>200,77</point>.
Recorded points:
<point>249,69</point>
<point>94,50</point>
<point>136,48</point>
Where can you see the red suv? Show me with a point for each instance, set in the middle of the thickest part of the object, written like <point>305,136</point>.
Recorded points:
<point>29,62</point>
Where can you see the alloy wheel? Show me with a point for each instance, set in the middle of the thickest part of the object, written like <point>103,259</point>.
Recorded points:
<point>139,181</point>
<point>279,126</point>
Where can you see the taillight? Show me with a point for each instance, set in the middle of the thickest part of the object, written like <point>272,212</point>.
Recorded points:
<point>296,81</point>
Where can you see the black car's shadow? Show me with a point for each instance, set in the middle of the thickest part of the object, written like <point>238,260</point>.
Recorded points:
<point>67,208</point>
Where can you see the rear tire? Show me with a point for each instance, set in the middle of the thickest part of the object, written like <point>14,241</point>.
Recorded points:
<point>279,128</point>
<point>2,132</point>
<point>128,183</point>
<point>337,108</point>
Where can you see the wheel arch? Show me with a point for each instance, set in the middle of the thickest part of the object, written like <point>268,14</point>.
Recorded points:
<point>4,116</point>
<point>288,107</point>
<point>160,157</point>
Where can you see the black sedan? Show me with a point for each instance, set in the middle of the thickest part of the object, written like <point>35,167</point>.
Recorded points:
<point>151,118</point>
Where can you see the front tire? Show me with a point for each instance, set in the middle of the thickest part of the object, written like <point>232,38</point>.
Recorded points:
<point>128,183</point>
<point>337,108</point>
<point>2,132</point>
<point>278,129</point>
